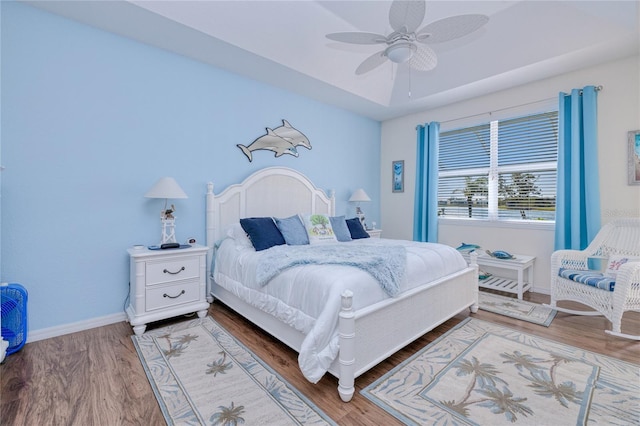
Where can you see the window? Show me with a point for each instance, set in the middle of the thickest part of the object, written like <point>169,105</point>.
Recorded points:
<point>502,170</point>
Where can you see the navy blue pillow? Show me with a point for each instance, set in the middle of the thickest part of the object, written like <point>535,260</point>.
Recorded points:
<point>262,232</point>
<point>356,229</point>
<point>340,228</point>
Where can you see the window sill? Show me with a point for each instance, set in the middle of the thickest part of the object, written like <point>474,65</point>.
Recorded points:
<point>485,223</point>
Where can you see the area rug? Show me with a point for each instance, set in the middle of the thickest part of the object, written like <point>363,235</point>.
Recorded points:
<point>481,373</point>
<point>201,375</point>
<point>516,308</point>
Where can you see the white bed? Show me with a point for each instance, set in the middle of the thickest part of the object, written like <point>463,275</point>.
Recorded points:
<point>366,335</point>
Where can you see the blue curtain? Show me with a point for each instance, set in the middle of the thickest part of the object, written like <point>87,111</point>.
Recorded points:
<point>425,211</point>
<point>578,193</point>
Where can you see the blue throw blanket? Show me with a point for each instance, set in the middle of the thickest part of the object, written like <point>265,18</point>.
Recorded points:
<point>385,263</point>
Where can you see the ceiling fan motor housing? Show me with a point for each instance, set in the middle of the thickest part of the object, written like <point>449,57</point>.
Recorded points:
<point>400,52</point>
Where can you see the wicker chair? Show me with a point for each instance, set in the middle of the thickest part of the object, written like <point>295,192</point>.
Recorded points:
<point>619,237</point>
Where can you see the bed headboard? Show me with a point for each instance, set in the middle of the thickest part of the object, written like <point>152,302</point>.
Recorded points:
<point>273,191</point>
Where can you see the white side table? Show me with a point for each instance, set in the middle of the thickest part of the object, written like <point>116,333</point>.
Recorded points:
<point>374,233</point>
<point>165,284</point>
<point>522,264</point>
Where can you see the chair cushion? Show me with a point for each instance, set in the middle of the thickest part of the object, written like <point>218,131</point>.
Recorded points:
<point>591,278</point>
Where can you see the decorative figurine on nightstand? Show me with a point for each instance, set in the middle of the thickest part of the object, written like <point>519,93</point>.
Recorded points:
<point>168,213</point>
<point>467,248</point>
<point>500,254</point>
<point>482,275</point>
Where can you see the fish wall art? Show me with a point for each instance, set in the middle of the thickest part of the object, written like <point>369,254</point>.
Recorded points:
<point>281,140</point>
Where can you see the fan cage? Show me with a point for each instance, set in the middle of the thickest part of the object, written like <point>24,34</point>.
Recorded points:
<point>13,314</point>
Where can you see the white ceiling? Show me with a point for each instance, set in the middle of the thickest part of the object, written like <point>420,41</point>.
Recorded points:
<point>283,43</point>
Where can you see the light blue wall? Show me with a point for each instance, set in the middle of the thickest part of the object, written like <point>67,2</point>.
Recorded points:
<point>91,120</point>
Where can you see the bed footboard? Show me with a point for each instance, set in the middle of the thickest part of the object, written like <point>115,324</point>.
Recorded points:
<point>369,336</point>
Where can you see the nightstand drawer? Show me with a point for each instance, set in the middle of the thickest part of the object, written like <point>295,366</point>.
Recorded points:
<point>163,297</point>
<point>172,270</point>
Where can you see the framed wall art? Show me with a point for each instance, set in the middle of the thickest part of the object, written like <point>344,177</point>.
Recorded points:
<point>397,184</point>
<point>634,157</point>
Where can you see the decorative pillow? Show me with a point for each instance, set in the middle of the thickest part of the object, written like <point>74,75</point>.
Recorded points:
<point>615,262</point>
<point>340,228</point>
<point>356,229</point>
<point>597,263</point>
<point>262,232</point>
<point>319,229</point>
<point>239,235</point>
<point>293,231</point>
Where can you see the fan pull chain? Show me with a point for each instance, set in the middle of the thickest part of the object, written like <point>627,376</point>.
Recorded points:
<point>409,82</point>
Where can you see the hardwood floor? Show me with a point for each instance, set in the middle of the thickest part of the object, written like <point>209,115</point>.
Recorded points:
<point>94,377</point>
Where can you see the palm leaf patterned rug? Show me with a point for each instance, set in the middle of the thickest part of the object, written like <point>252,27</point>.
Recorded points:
<point>515,308</point>
<point>481,373</point>
<point>201,375</point>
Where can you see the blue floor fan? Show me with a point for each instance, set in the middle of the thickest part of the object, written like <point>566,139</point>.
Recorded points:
<point>13,316</point>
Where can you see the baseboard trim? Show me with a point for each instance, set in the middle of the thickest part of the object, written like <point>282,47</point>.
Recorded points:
<point>60,330</point>
<point>542,290</point>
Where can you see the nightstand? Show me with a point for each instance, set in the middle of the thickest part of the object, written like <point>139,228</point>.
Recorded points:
<point>166,283</point>
<point>374,233</point>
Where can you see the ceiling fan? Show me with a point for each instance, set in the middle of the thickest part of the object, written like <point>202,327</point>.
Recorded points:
<point>408,44</point>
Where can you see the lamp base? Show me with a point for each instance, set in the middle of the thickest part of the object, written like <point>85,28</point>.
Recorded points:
<point>168,231</point>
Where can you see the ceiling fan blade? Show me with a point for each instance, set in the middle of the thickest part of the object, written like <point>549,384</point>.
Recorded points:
<point>357,38</point>
<point>371,63</point>
<point>451,28</point>
<point>424,59</point>
<point>406,15</point>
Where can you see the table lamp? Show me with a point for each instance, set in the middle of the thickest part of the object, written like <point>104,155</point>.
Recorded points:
<point>358,197</point>
<point>166,188</point>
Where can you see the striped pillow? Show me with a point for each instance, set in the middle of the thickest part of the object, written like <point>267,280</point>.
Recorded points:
<point>590,278</point>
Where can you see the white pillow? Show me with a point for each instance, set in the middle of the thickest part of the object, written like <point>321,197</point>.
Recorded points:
<point>239,235</point>
<point>615,262</point>
<point>319,230</point>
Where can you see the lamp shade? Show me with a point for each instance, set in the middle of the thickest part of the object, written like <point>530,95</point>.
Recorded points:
<point>359,195</point>
<point>166,187</point>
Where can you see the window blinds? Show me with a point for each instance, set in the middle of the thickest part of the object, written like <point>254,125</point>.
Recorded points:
<point>502,170</point>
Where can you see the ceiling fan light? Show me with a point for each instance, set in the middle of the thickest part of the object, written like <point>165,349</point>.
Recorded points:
<point>400,52</point>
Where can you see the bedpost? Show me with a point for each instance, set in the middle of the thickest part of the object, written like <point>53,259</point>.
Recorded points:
<point>346,357</point>
<point>210,236</point>
<point>473,262</point>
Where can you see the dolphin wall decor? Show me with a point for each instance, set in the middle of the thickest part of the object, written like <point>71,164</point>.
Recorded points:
<point>281,140</point>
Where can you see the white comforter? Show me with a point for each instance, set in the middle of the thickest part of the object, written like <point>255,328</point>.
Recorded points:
<point>308,297</point>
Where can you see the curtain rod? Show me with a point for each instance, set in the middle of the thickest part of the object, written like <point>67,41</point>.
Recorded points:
<point>598,88</point>
<point>498,110</point>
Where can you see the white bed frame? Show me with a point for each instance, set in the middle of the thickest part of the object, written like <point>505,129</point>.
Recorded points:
<point>366,336</point>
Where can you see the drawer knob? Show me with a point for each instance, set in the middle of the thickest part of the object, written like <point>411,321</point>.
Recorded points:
<point>173,297</point>
<point>166,271</point>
